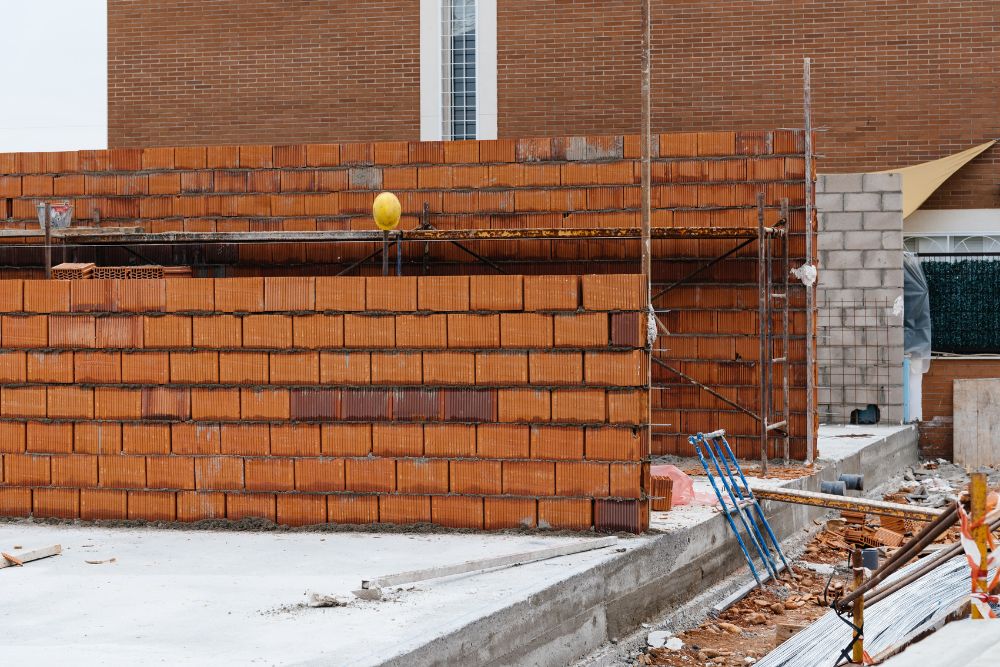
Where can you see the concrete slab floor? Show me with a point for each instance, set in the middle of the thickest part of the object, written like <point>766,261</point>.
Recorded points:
<point>965,643</point>
<point>231,598</point>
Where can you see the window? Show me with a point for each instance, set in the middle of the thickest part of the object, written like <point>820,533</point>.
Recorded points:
<point>458,57</point>
<point>458,69</point>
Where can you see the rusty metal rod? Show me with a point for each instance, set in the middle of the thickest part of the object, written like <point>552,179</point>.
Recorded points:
<point>931,532</point>
<point>705,388</point>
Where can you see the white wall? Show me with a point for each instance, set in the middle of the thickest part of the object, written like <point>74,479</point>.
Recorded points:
<point>53,75</point>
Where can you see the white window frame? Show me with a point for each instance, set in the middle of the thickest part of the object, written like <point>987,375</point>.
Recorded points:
<point>431,108</point>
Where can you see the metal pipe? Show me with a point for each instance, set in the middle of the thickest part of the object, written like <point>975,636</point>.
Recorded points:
<point>879,507</point>
<point>762,300</point>
<point>702,268</point>
<point>784,329</point>
<point>811,417</point>
<point>48,240</point>
<point>704,387</point>
<point>858,649</point>
<point>977,509</point>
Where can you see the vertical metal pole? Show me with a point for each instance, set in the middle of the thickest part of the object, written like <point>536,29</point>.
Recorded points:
<point>763,359</point>
<point>977,505</point>
<point>858,650</point>
<point>399,253</point>
<point>48,241</point>
<point>785,411</point>
<point>425,224</point>
<point>647,201</point>
<point>385,253</point>
<point>811,421</point>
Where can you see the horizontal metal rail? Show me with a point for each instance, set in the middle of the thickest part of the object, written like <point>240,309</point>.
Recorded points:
<point>880,507</point>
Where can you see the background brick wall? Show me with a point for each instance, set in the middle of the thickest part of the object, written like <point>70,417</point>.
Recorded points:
<point>491,401</point>
<point>894,83</point>
<point>699,180</point>
<point>937,426</point>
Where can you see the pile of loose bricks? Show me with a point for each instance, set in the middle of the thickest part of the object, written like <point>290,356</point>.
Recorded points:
<point>700,180</point>
<point>475,402</point>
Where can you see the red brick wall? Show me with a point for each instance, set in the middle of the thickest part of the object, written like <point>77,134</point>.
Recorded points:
<point>466,402</point>
<point>262,71</point>
<point>936,428</point>
<point>699,180</point>
<point>894,83</point>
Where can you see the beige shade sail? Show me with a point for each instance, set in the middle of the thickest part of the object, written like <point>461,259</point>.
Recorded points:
<point>921,180</point>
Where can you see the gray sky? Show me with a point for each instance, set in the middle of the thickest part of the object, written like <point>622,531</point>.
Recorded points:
<point>53,75</point>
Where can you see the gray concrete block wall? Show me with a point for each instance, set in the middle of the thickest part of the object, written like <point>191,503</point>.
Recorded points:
<point>860,346</point>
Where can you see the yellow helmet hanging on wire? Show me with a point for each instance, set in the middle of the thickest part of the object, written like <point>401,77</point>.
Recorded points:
<point>386,211</point>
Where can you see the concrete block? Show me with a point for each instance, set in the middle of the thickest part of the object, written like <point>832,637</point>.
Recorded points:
<point>863,241</point>
<point>841,183</point>
<point>845,259</point>
<point>892,241</point>
<point>863,278</point>
<point>883,221</point>
<point>829,240</point>
<point>884,294</point>
<point>893,278</point>
<point>892,201</point>
<point>881,259</point>
<point>828,203</point>
<point>882,182</point>
<point>830,278</point>
<point>845,295</point>
<point>846,222</point>
<point>862,201</point>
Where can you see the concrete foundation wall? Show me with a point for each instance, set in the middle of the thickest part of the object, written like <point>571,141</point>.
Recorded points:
<point>860,333</point>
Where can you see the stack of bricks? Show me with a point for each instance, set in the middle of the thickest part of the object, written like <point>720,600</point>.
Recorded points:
<point>474,402</point>
<point>705,179</point>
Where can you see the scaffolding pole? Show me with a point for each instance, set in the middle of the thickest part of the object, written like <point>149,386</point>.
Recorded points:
<point>647,202</point>
<point>811,378</point>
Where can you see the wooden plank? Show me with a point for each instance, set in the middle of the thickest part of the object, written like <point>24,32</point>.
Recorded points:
<point>879,507</point>
<point>488,563</point>
<point>36,554</point>
<point>976,421</point>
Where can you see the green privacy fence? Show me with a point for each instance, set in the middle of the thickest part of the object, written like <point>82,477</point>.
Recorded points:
<point>965,303</point>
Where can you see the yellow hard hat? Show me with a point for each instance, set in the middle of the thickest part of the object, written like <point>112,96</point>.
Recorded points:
<point>386,211</point>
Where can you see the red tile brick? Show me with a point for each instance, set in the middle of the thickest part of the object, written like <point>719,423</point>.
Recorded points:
<point>499,513</point>
<point>555,368</point>
<point>626,480</point>
<point>346,439</point>
<point>48,367</point>
<point>71,331</point>
<point>578,478</point>
<point>614,444</point>
<point>270,474</point>
<point>476,477</point>
<point>298,509</point>
<point>365,404</point>
<point>613,292</point>
<point>25,331</point>
<point>167,331</point>
<point>92,296</point>
<point>422,331</point>
<point>215,404</point>
<point>449,368</point>
<point>393,294</point>
<point>46,296</point>
<point>139,296</point>
<point>197,506</point>
<point>370,475</point>
<point>525,330</point>
<point>220,473</point>
<point>152,505</point>
<point>345,368</point>
<point>404,510</point>
<point>119,332</point>
<point>581,330</point>
<point>565,513</point>
<point>194,295</point>
<point>12,437</point>
<point>74,470</point>
<point>319,474</point>
<point>239,295</point>
<point>246,439</point>
<point>105,367</point>
<point>217,331</point>
<point>97,438</point>
<point>195,438</point>
<point>621,369</point>
<point>349,509</point>
<point>397,440</point>
<point>170,472</point>
<point>529,478</point>
<point>422,476</point>
<point>457,512</point>
<point>114,403</point>
<point>627,407</point>
<point>14,367</point>
<point>294,368</point>
<point>396,368</point>
<point>56,503</point>
<point>70,402</point>
<point>450,440</point>
<point>496,293</point>
<point>266,404</point>
<point>476,331</point>
<point>318,331</point>
<point>578,405</point>
<point>517,405</point>
<point>251,505</point>
<point>146,438</point>
<point>443,293</point>
<point>23,402</point>
<point>295,439</point>
<point>551,293</point>
<point>501,368</point>
<point>557,442</point>
<point>291,293</point>
<point>365,331</point>
<point>103,505</point>
<point>267,331</point>
<point>26,470</point>
<point>166,403</point>
<point>121,472</point>
<point>49,437</point>
<point>243,367</point>
<point>340,294</point>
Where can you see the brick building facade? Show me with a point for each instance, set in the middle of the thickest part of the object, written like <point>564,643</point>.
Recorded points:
<point>894,83</point>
